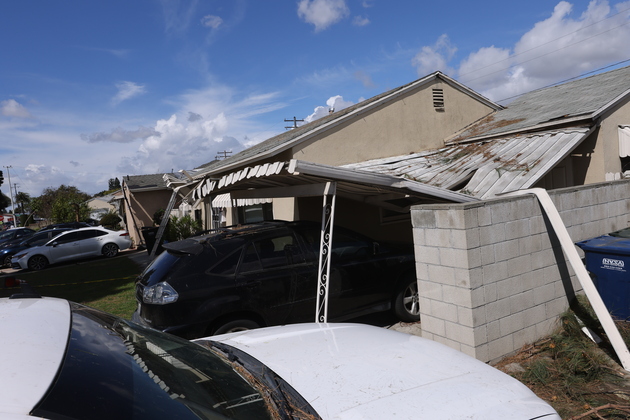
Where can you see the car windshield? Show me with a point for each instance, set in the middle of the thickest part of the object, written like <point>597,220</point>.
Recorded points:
<point>114,369</point>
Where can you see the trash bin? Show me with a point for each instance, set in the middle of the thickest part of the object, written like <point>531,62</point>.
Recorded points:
<point>608,260</point>
<point>149,234</point>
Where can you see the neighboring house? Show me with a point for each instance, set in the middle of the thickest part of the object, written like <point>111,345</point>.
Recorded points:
<point>100,206</point>
<point>417,116</point>
<point>142,196</point>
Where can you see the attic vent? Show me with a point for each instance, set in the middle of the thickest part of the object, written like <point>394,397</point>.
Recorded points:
<point>438,99</point>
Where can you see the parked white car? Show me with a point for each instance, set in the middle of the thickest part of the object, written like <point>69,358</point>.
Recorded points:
<point>73,362</point>
<point>72,245</point>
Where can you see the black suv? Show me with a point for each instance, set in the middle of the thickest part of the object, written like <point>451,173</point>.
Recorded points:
<point>266,274</point>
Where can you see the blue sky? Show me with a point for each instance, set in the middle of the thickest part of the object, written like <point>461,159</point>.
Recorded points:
<point>94,90</point>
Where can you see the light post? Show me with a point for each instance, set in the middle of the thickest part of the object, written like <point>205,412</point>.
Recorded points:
<point>11,195</point>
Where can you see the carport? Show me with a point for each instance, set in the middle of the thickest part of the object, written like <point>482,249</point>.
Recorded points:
<point>295,178</point>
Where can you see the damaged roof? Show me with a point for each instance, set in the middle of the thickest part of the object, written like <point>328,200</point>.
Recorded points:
<point>484,168</point>
<point>543,108</point>
<point>145,182</point>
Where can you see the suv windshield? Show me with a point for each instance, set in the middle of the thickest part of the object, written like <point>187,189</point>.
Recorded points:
<point>114,369</point>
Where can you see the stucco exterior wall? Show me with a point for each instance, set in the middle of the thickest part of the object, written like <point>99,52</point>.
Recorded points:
<point>409,124</point>
<point>143,206</point>
<point>492,276</point>
<point>597,158</point>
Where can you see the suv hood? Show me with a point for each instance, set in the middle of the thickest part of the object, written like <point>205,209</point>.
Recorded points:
<point>352,371</point>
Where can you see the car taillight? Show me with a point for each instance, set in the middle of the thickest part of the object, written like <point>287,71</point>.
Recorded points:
<point>159,294</point>
<point>124,234</point>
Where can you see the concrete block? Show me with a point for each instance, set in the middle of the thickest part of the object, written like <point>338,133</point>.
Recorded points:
<point>438,237</point>
<point>487,254</point>
<point>460,333</point>
<point>456,295</point>
<point>544,294</point>
<point>484,216</point>
<point>506,250</point>
<point>474,275</point>
<point>493,331</point>
<point>525,336</point>
<point>500,347</point>
<point>422,271</point>
<point>473,239</point>
<point>444,311</point>
<point>491,234</point>
<point>419,236</point>
<point>457,258</point>
<point>490,293</point>
<point>433,325</point>
<point>520,265</point>
<point>430,290</point>
<point>427,254</point>
<point>522,301</point>
<point>458,239</point>
<point>510,324</point>
<point>442,274</point>
<point>495,272</point>
<point>517,229</point>
<point>465,316</point>
<point>423,218</point>
<point>471,217</point>
<point>450,219</point>
<point>498,309</point>
<point>529,244</point>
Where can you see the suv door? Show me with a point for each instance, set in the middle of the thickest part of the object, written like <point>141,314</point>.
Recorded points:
<point>272,277</point>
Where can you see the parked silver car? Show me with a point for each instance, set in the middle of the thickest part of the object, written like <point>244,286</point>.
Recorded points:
<point>73,245</point>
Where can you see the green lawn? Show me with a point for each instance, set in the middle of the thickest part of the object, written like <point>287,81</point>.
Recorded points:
<point>106,284</point>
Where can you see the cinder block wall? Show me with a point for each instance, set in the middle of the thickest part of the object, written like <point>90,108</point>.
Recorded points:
<point>492,275</point>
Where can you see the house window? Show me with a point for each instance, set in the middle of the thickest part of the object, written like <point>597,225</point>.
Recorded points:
<point>624,148</point>
<point>256,213</point>
<point>438,99</point>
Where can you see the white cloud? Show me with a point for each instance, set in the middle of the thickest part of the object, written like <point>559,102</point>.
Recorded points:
<point>12,108</point>
<point>127,90</point>
<point>334,103</point>
<point>364,78</point>
<point>211,21</point>
<point>322,13</point>
<point>118,135</point>
<point>555,49</point>
<point>360,21</point>
<point>435,57</point>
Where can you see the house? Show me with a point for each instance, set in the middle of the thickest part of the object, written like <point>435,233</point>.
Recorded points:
<point>417,116</point>
<point>142,197</point>
<point>576,133</point>
<point>100,206</point>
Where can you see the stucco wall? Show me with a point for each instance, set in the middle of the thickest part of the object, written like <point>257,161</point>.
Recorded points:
<point>492,276</point>
<point>409,124</point>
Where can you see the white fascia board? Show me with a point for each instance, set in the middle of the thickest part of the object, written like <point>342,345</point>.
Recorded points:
<point>371,178</point>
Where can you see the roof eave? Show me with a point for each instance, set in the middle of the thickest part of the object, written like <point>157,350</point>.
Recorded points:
<point>359,111</point>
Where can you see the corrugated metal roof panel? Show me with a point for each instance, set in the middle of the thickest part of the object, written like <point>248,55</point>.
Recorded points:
<point>484,168</point>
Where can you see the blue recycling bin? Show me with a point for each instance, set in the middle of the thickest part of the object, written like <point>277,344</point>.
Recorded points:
<point>608,260</point>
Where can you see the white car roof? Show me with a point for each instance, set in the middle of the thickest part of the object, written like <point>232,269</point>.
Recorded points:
<point>352,371</point>
<point>34,338</point>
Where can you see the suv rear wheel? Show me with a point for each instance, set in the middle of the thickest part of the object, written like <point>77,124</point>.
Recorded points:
<point>236,325</point>
<point>407,301</point>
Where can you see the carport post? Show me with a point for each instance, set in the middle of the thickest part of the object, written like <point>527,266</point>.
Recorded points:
<point>323,274</point>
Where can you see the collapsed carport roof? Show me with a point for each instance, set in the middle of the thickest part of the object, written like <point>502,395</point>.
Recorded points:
<point>297,178</point>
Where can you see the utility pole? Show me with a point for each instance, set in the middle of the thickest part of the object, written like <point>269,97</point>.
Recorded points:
<point>222,155</point>
<point>11,195</point>
<point>294,121</point>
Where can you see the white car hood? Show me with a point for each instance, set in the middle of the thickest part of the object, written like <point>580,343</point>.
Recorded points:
<point>29,365</point>
<point>352,371</point>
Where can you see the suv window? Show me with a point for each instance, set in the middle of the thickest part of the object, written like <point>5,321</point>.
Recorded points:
<point>271,252</point>
<point>91,233</point>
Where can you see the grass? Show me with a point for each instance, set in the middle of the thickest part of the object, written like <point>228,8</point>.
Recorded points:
<point>580,379</point>
<point>106,284</point>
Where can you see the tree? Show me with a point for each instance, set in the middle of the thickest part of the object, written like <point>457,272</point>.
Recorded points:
<point>5,202</point>
<point>23,202</point>
<point>64,204</point>
<point>114,184</point>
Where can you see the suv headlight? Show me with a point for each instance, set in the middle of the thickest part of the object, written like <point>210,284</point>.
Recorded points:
<point>159,294</point>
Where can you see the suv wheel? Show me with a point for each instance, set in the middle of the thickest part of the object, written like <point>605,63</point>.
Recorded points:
<point>37,262</point>
<point>235,326</point>
<point>407,301</point>
<point>7,261</point>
